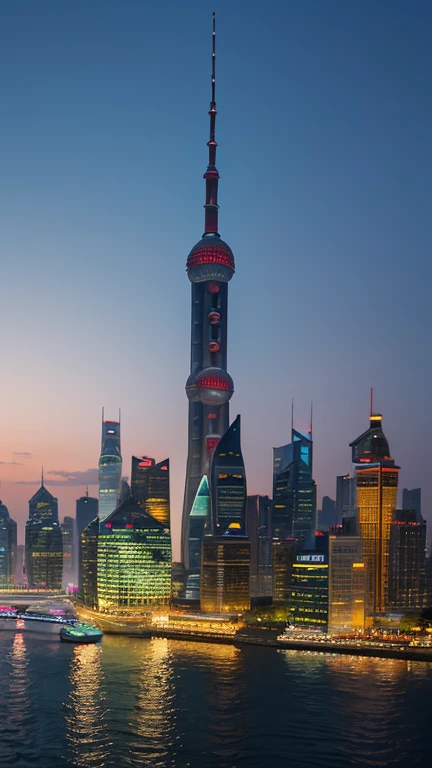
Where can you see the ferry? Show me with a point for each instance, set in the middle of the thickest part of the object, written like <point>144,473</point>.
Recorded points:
<point>80,633</point>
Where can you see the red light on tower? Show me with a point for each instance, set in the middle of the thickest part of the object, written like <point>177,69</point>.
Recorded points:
<point>165,467</point>
<point>145,463</point>
<point>213,288</point>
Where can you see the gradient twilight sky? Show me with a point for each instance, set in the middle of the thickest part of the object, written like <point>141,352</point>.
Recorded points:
<point>324,129</point>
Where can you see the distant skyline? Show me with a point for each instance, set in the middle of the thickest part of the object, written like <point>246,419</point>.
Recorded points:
<point>324,125</point>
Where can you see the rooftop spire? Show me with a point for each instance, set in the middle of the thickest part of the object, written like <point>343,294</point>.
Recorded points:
<point>42,477</point>
<point>211,175</point>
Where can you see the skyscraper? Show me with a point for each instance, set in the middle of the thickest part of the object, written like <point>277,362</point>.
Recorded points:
<point>228,483</point>
<point>88,563</point>
<point>134,559</point>
<point>43,541</point>
<point>411,499</point>
<point>346,583</point>
<point>8,546</point>
<point>210,267</point>
<point>310,591</point>
<point>377,483</point>
<point>345,497</point>
<point>110,468</point>
<point>294,490</point>
<point>284,554</point>
<point>150,486</point>
<point>86,511</point>
<point>199,522</point>
<point>68,541</point>
<point>259,533</point>
<point>407,561</point>
<point>225,573</point>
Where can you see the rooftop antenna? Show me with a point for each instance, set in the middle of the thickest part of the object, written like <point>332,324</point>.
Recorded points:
<point>292,414</point>
<point>371,401</point>
<point>211,175</point>
<point>86,492</point>
<point>42,477</point>
<point>103,414</point>
<point>119,415</point>
<point>310,425</point>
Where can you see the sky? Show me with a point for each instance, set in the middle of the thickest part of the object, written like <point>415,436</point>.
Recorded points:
<point>324,125</point>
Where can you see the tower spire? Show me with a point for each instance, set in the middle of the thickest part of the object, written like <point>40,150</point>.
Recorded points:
<point>310,424</point>
<point>371,401</point>
<point>42,477</point>
<point>211,175</point>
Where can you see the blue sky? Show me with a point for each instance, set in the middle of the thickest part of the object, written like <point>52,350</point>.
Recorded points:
<point>324,125</point>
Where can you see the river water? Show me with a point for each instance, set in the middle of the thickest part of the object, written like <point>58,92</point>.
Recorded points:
<point>132,702</point>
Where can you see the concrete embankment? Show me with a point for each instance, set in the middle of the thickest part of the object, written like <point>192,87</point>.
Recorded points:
<point>257,637</point>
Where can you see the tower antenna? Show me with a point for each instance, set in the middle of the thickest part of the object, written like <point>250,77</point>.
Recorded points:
<point>42,477</point>
<point>311,415</point>
<point>211,175</point>
<point>371,401</point>
<point>292,414</point>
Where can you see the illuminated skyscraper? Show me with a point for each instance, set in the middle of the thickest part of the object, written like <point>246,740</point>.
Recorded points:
<point>294,490</point>
<point>377,483</point>
<point>86,511</point>
<point>199,519</point>
<point>150,486</point>
<point>228,483</point>
<point>310,591</point>
<point>346,583</point>
<point>225,573</point>
<point>210,267</point>
<point>8,546</point>
<point>407,561</point>
<point>134,559</point>
<point>43,541</point>
<point>110,468</point>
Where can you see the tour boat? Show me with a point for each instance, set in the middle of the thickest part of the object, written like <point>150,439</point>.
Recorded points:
<point>80,633</point>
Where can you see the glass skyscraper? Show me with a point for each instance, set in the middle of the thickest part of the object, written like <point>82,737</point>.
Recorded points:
<point>110,468</point>
<point>198,521</point>
<point>228,483</point>
<point>407,561</point>
<point>150,486</point>
<point>43,542</point>
<point>134,560</point>
<point>259,532</point>
<point>86,511</point>
<point>294,490</point>
<point>8,546</point>
<point>377,484</point>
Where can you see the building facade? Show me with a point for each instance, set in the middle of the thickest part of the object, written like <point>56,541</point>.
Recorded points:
<point>43,542</point>
<point>411,499</point>
<point>294,490</point>
<point>310,591</point>
<point>407,561</point>
<point>225,574</point>
<point>88,554</point>
<point>228,483</point>
<point>68,543</point>
<point>377,484</point>
<point>284,555</point>
<point>259,533</point>
<point>8,546</point>
<point>346,584</point>
<point>210,267</point>
<point>134,560</point>
<point>110,468</point>
<point>345,497</point>
<point>150,486</point>
<point>199,524</point>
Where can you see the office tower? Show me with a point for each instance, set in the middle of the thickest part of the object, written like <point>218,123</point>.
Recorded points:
<point>134,560</point>
<point>150,486</point>
<point>43,542</point>
<point>407,561</point>
<point>68,541</point>
<point>411,499</point>
<point>228,483</point>
<point>88,563</point>
<point>8,546</point>
<point>86,511</point>
<point>327,514</point>
<point>284,554</point>
<point>294,490</point>
<point>20,564</point>
<point>210,267</point>
<point>178,580</point>
<point>199,522</point>
<point>377,482</point>
<point>346,584</point>
<point>345,497</point>
<point>259,533</point>
<point>310,591</point>
<point>110,468</point>
<point>225,573</point>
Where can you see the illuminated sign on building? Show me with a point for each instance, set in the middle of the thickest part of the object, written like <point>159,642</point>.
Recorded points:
<point>310,558</point>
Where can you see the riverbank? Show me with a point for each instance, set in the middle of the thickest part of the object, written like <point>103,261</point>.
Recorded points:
<point>258,637</point>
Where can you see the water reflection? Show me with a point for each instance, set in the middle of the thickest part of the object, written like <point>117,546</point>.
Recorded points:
<point>86,730</point>
<point>151,721</point>
<point>16,723</point>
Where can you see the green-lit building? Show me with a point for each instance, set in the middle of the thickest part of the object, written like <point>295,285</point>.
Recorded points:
<point>310,591</point>
<point>133,561</point>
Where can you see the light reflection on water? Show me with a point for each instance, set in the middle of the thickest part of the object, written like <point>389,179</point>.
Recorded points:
<point>171,704</point>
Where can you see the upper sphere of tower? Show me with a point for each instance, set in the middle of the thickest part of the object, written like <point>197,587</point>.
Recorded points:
<point>210,259</point>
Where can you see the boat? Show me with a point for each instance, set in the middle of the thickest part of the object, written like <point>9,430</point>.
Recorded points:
<point>80,633</point>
